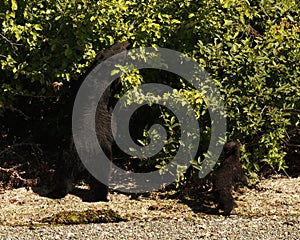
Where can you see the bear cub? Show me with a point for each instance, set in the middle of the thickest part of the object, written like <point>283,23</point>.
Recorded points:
<point>229,173</point>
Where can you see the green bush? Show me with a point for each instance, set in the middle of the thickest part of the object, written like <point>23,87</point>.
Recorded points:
<point>250,49</point>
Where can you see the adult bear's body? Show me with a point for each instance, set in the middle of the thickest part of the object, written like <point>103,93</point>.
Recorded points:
<point>69,166</point>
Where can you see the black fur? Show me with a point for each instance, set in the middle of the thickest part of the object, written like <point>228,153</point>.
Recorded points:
<point>229,172</point>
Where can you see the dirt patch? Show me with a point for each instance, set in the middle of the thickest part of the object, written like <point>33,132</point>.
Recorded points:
<point>277,196</point>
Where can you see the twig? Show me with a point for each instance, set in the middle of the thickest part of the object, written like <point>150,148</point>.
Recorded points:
<point>10,42</point>
<point>292,145</point>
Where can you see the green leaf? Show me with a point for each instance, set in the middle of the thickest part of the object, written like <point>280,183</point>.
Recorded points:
<point>68,52</point>
<point>14,5</point>
<point>115,72</point>
<point>37,27</point>
<point>228,22</point>
<point>176,21</point>
<point>111,40</point>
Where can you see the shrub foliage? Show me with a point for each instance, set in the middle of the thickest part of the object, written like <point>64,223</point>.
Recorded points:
<point>250,48</point>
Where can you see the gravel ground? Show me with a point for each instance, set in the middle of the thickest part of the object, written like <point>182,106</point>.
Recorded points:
<point>271,210</point>
<point>209,227</point>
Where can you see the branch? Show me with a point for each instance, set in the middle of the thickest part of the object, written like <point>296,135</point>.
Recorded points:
<point>3,56</point>
<point>9,41</point>
<point>293,145</point>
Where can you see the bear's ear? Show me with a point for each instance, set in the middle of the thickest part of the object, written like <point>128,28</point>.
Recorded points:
<point>231,148</point>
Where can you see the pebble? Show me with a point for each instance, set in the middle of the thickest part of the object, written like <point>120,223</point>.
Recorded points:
<point>208,227</point>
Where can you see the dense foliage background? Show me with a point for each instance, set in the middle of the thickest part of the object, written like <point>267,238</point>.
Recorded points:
<point>250,48</point>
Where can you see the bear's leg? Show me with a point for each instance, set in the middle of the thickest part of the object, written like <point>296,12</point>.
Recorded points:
<point>98,191</point>
<point>226,201</point>
<point>64,176</point>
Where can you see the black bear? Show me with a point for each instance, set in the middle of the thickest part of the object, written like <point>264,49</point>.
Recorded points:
<point>224,178</point>
<point>69,166</point>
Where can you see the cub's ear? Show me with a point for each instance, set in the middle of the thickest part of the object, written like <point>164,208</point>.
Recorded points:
<point>231,148</point>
